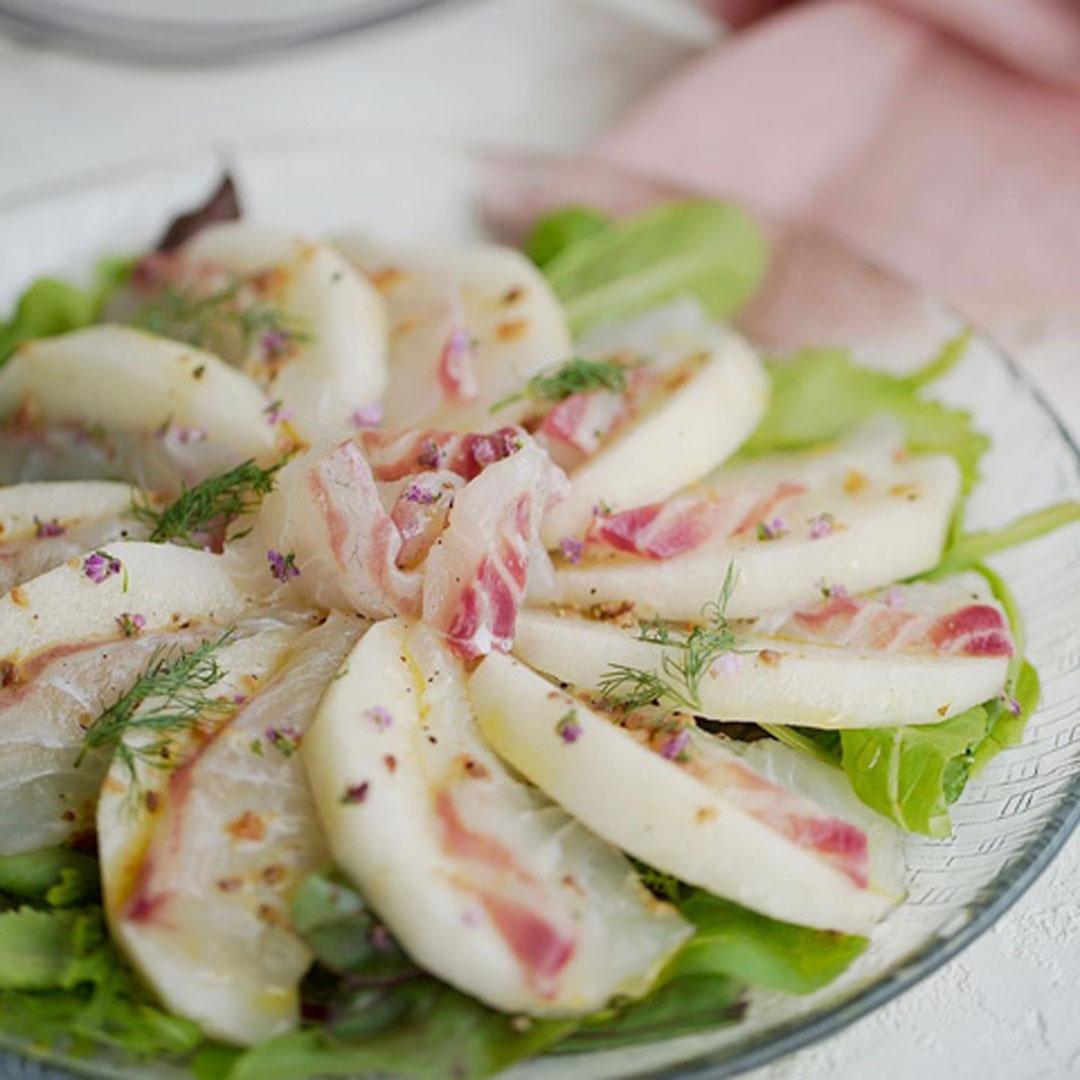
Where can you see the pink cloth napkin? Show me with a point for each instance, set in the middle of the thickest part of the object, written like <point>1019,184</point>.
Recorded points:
<point>940,137</point>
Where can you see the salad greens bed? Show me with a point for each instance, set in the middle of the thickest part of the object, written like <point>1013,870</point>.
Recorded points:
<point>63,985</point>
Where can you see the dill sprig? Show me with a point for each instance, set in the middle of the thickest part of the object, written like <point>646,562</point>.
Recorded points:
<point>170,696</point>
<point>571,377</point>
<point>683,667</point>
<point>206,321</point>
<point>211,505</point>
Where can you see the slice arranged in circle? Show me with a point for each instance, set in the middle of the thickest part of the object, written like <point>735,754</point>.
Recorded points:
<point>468,326</point>
<point>687,394</point>
<point>860,515</point>
<point>71,641</point>
<point>915,654</point>
<point>482,881</point>
<point>201,848</point>
<point>110,400</point>
<point>42,525</point>
<point>314,331</point>
<point>680,800</point>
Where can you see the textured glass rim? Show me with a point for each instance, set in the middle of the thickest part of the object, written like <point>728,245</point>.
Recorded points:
<point>998,897</point>
<point>175,41</point>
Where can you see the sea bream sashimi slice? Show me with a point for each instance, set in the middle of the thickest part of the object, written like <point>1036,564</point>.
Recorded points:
<point>199,857</point>
<point>693,391</point>
<point>480,879</point>
<point>861,514</point>
<point>111,401</point>
<point>467,327</point>
<point>292,313</point>
<point>912,654</point>
<point>71,641</point>
<point>43,525</point>
<point>420,523</point>
<point>667,793</point>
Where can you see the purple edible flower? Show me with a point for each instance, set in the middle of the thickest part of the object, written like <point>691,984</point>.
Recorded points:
<point>380,938</point>
<point>675,746</point>
<point>727,665</point>
<point>367,416</point>
<point>130,625</point>
<point>571,548</point>
<point>417,493</point>
<point>283,567</point>
<point>48,528</point>
<point>431,454</point>
<point>894,597</point>
<point>275,342</point>
<point>772,530</point>
<point>355,793</point>
<point>380,716</point>
<point>1011,704</point>
<point>286,739</point>
<point>821,525</point>
<point>568,728</point>
<point>99,565</point>
<point>276,413</point>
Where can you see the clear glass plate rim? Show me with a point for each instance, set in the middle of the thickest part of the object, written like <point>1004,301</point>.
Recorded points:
<point>1005,891</point>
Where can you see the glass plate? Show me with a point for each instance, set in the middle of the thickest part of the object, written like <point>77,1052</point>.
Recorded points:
<point>197,30</point>
<point>1013,818</point>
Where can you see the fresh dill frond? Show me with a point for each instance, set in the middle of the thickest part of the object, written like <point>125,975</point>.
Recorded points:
<point>219,321</point>
<point>689,657</point>
<point>574,376</point>
<point>660,883</point>
<point>170,696</point>
<point>211,505</point>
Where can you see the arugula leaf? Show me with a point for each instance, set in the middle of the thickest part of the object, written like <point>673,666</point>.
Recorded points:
<point>759,951</point>
<point>908,773</point>
<point>554,232</point>
<point>710,250</point>
<point>967,550</point>
<point>820,394</point>
<point>58,876</point>
<point>49,306</point>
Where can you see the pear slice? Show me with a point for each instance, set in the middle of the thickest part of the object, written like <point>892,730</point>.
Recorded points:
<point>198,860</point>
<point>680,800</point>
<point>335,362</point>
<point>710,392</point>
<point>482,881</point>
<point>844,662</point>
<point>860,515</point>
<point>468,326</point>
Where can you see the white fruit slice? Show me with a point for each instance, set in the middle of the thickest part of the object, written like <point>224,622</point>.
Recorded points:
<point>125,380</point>
<point>860,515</point>
<point>482,881</point>
<point>468,326</point>
<point>198,861</point>
<point>710,397</point>
<point>69,645</point>
<point>336,363</point>
<point>919,655</point>
<point>681,802</point>
<point>42,525</point>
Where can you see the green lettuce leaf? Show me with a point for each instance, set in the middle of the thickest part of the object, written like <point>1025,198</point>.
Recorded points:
<point>49,306</point>
<point>63,986</point>
<point>56,876</point>
<point>552,233</point>
<point>711,250</point>
<point>818,395</point>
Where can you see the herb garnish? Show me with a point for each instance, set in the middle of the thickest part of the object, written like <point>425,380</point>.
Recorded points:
<point>681,671</point>
<point>207,321</point>
<point>574,376</point>
<point>174,690</point>
<point>210,505</point>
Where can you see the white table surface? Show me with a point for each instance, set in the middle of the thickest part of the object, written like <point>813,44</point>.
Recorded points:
<point>552,74</point>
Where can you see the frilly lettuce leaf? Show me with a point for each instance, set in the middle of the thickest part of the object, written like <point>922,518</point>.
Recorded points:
<point>58,876</point>
<point>710,250</point>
